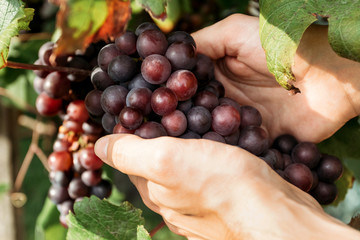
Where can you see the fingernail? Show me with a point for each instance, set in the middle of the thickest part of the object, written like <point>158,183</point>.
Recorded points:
<point>101,147</point>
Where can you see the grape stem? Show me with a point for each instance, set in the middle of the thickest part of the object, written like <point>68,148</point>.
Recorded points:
<point>157,228</point>
<point>27,66</point>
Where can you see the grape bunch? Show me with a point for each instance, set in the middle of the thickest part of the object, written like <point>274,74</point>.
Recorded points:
<point>75,169</point>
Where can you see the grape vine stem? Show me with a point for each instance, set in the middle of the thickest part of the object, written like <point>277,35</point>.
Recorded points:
<point>157,228</point>
<point>27,66</point>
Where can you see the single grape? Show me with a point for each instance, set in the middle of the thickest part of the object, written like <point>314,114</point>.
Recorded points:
<point>106,54</point>
<point>113,99</point>
<point>145,26</point>
<point>206,99</point>
<point>78,189</point>
<point>93,103</point>
<point>73,126</point>
<point>38,84</point>
<point>60,178</point>
<point>175,123</point>
<point>155,69</point>
<point>233,138</point>
<point>108,122</point>
<point>40,73</point>
<point>199,119</point>
<point>139,82</point>
<point>122,68</point>
<point>183,83</point>
<point>121,129</point>
<point>163,101</point>
<point>254,139</point>
<point>88,159</point>
<point>66,207</point>
<point>250,116</point>
<point>214,136</point>
<point>231,102</point>
<point>100,79</point>
<point>306,153</point>
<point>91,127</point>
<point>287,159</point>
<point>299,175</point>
<point>102,190</point>
<point>225,120</point>
<point>276,158</point>
<point>190,135</point>
<point>203,70</point>
<point>325,193</point>
<point>60,161</point>
<point>140,98</point>
<point>130,118</point>
<point>61,145</point>
<point>45,52</point>
<point>91,177</point>
<point>126,42</point>
<point>216,87</point>
<point>181,36</point>
<point>76,111</point>
<point>185,106</point>
<point>285,143</point>
<point>181,55</point>
<point>150,130</point>
<point>58,194</point>
<point>151,41</point>
<point>329,168</point>
<point>47,106</point>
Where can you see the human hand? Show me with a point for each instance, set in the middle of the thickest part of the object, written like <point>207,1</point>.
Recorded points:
<point>210,190</point>
<point>329,89</point>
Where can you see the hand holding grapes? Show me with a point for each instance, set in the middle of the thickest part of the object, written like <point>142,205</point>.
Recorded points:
<point>329,88</point>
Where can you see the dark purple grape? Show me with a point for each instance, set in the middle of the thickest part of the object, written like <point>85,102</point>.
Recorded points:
<point>93,103</point>
<point>80,63</point>
<point>146,26</point>
<point>102,190</point>
<point>233,138</point>
<point>181,55</point>
<point>299,175</point>
<point>60,178</point>
<point>78,189</point>
<point>151,42</point>
<point>58,194</point>
<point>175,123</point>
<point>287,159</point>
<point>155,69</point>
<point>203,70</point>
<point>130,118</point>
<point>47,106</point>
<point>91,177</point>
<point>139,82</point>
<point>216,87</point>
<point>91,127</point>
<point>183,83</point>
<point>274,156</point>
<point>199,119</point>
<point>113,99</point>
<point>106,54</point>
<point>163,101</point>
<point>329,168</point>
<point>285,143</point>
<point>206,99</point>
<point>122,68</point>
<point>126,42</point>
<point>325,193</point>
<point>225,120</point>
<point>108,122</point>
<point>40,73</point>
<point>185,106</point>
<point>56,85</point>
<point>250,116</point>
<point>254,139</point>
<point>214,136</point>
<point>231,102</point>
<point>181,36</point>
<point>269,161</point>
<point>140,98</point>
<point>38,84</point>
<point>190,135</point>
<point>120,129</point>
<point>306,153</point>
<point>66,207</point>
<point>100,79</point>
<point>150,130</point>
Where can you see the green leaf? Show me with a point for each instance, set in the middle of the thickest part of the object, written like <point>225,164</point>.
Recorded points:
<point>142,234</point>
<point>282,24</point>
<point>48,225</point>
<point>99,219</point>
<point>156,8</point>
<point>13,18</point>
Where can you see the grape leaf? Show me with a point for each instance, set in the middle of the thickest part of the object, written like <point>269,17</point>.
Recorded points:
<point>85,21</point>
<point>99,219</point>
<point>173,11</point>
<point>13,18</point>
<point>142,234</point>
<point>283,22</point>
<point>156,8</point>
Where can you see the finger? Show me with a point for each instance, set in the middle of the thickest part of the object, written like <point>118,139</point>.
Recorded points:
<point>225,37</point>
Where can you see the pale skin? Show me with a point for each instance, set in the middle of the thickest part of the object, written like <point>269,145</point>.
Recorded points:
<point>209,190</point>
